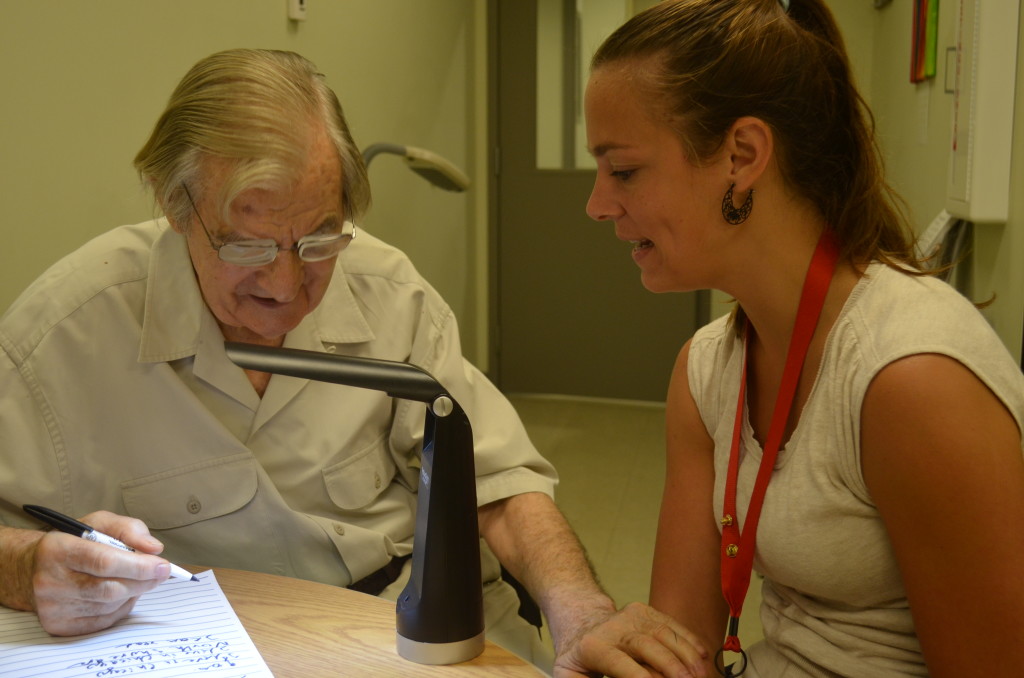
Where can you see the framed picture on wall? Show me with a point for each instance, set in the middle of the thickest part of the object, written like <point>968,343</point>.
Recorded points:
<point>923,42</point>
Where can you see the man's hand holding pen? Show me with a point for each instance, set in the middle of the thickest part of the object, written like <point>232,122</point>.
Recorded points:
<point>78,586</point>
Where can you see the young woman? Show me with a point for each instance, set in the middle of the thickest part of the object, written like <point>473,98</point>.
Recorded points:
<point>852,431</point>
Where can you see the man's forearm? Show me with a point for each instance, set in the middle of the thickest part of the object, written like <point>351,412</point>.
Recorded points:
<point>17,563</point>
<point>534,542</point>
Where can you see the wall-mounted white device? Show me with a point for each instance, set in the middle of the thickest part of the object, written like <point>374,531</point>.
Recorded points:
<point>297,10</point>
<point>986,71</point>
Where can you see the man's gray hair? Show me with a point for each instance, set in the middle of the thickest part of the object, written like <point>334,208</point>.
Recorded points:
<point>259,110</point>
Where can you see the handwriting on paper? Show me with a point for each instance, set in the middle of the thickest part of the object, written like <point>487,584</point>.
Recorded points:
<point>199,652</point>
<point>178,629</point>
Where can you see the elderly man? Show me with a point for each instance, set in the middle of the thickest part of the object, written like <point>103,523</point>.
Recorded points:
<point>117,400</point>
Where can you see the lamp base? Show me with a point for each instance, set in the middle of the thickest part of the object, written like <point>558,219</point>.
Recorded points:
<point>441,653</point>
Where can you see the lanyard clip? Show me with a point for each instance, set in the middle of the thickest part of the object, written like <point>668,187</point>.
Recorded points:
<point>732,670</point>
<point>731,644</point>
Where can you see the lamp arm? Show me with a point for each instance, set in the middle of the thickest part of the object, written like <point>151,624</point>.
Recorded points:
<point>398,380</point>
<point>374,150</point>
<point>440,617</point>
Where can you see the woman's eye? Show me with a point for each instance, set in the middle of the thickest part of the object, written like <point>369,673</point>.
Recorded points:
<point>622,174</point>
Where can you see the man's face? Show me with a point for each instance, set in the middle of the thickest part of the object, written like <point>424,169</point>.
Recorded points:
<point>260,304</point>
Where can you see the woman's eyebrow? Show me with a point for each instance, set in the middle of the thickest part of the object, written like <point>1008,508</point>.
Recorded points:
<point>602,149</point>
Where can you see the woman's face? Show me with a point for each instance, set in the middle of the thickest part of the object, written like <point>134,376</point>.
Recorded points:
<point>664,205</point>
<point>260,304</point>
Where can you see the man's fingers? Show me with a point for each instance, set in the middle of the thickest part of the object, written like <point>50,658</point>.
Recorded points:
<point>81,590</point>
<point>668,659</point>
<point>100,560</point>
<point>79,586</point>
<point>635,642</point>
<point>675,634</point>
<point>666,629</point>
<point>70,569</point>
<point>608,659</point>
<point>108,591</point>
<point>62,622</point>
<point>131,531</point>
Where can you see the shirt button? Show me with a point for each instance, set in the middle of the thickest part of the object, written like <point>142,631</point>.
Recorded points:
<point>194,505</point>
<point>339,528</point>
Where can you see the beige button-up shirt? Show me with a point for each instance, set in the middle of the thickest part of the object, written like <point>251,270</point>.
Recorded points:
<point>115,393</point>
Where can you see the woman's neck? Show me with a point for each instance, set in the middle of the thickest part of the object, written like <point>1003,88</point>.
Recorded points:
<point>769,339</point>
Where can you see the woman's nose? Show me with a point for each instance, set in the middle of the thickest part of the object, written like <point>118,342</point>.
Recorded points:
<point>600,207</point>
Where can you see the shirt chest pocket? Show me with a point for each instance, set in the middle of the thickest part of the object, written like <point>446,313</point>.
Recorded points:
<point>183,496</point>
<point>359,480</point>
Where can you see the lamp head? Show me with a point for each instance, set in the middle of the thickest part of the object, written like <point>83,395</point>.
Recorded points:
<point>437,170</point>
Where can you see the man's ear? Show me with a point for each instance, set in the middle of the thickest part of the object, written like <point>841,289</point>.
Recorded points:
<point>174,223</point>
<point>749,144</point>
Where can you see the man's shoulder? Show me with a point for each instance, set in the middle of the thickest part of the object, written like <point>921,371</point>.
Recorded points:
<point>370,256</point>
<point>107,264</point>
<point>384,285</point>
<point>373,268</point>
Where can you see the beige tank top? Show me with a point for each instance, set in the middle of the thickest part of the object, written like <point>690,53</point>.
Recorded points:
<point>833,601</point>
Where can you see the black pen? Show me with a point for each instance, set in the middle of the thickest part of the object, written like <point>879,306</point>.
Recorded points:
<point>79,529</point>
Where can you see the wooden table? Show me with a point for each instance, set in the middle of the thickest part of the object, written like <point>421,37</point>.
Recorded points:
<point>304,628</point>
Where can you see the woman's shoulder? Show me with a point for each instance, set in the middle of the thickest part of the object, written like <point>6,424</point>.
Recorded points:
<point>713,344</point>
<point>893,315</point>
<point>714,333</point>
<point>892,311</point>
<point>712,367</point>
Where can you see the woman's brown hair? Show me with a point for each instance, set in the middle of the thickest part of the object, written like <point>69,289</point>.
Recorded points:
<point>709,62</point>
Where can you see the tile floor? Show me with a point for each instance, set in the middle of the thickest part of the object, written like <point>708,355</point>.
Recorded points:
<point>610,456</point>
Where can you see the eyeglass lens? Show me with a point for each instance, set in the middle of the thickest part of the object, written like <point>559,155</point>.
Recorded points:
<point>312,248</point>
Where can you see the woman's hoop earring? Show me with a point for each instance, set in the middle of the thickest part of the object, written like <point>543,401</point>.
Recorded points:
<point>737,215</point>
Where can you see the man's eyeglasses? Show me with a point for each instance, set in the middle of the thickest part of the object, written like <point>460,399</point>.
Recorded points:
<point>311,248</point>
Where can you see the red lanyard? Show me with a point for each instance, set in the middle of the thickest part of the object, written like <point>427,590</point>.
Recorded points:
<point>738,550</point>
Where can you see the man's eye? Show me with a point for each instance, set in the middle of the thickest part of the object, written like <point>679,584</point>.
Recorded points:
<point>331,225</point>
<point>623,174</point>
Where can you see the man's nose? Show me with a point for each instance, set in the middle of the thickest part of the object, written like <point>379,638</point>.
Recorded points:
<point>282,277</point>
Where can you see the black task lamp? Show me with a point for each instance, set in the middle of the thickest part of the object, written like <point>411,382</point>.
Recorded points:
<point>440,611</point>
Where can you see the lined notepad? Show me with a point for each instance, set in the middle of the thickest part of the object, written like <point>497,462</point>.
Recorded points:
<point>180,628</point>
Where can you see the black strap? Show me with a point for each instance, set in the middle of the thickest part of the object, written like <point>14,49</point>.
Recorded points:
<point>528,608</point>
<point>375,582</point>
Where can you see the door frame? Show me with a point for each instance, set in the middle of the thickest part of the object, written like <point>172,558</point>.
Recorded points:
<point>700,299</point>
